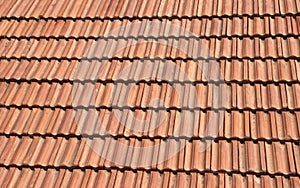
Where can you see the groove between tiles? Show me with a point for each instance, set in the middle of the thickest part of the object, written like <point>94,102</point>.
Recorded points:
<point>45,167</point>
<point>121,18</point>
<point>131,81</point>
<point>146,58</point>
<point>122,59</point>
<point>151,37</point>
<point>156,38</point>
<point>119,136</point>
<point>152,108</point>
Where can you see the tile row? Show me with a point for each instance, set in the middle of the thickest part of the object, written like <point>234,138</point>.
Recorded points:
<point>153,48</point>
<point>157,154</point>
<point>205,27</point>
<point>135,8</point>
<point>152,70</point>
<point>195,124</point>
<point>151,95</point>
<point>39,177</point>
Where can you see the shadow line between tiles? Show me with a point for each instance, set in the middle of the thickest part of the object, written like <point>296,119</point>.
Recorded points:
<point>145,137</point>
<point>143,81</point>
<point>110,108</point>
<point>150,37</point>
<point>147,58</point>
<point>149,170</point>
<point>121,18</point>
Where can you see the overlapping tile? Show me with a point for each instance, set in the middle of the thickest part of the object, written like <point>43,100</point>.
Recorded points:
<point>247,156</point>
<point>205,27</point>
<point>38,177</point>
<point>103,9</point>
<point>194,124</point>
<point>152,95</point>
<point>151,70</point>
<point>54,52</point>
<point>162,48</point>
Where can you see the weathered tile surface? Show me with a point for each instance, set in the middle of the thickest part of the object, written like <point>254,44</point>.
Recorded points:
<point>136,93</point>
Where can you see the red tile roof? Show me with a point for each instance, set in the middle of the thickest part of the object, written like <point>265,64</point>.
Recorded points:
<point>136,93</point>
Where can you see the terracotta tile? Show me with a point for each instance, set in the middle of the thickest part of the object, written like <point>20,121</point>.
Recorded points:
<point>296,156</point>
<point>77,177</point>
<point>19,155</point>
<point>20,122</point>
<point>48,94</point>
<point>53,48</point>
<point>10,92</point>
<point>253,162</point>
<point>248,48</point>
<point>139,8</point>
<point>292,27</point>
<point>10,148</point>
<point>294,45</point>
<point>282,159</point>
<point>253,157</point>
<point>243,43</point>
